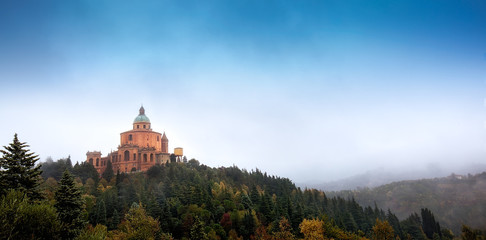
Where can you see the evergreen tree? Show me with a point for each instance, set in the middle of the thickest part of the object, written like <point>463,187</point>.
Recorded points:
<point>395,223</point>
<point>413,227</point>
<point>86,170</point>
<point>22,219</point>
<point>115,220</point>
<point>69,164</point>
<point>101,213</point>
<point>429,225</point>
<point>18,170</point>
<point>69,205</point>
<point>108,173</point>
<point>197,230</point>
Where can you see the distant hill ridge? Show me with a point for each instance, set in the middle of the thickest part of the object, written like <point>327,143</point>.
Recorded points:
<point>455,200</point>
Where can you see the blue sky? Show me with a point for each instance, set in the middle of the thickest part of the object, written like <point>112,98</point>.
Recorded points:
<point>310,90</point>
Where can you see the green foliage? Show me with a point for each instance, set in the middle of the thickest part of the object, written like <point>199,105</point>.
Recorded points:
<point>412,226</point>
<point>108,174</point>
<point>137,225</point>
<point>193,201</point>
<point>284,230</point>
<point>21,219</point>
<point>197,230</point>
<point>429,225</point>
<point>18,170</point>
<point>454,200</point>
<point>471,234</point>
<point>101,213</point>
<point>85,171</point>
<point>55,169</point>
<point>69,205</point>
<point>93,233</point>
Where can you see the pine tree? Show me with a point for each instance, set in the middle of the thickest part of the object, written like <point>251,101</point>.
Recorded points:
<point>429,225</point>
<point>197,230</point>
<point>18,170</point>
<point>69,205</point>
<point>101,213</point>
<point>108,174</point>
<point>115,220</point>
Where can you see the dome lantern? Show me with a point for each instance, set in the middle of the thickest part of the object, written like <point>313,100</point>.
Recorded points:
<point>141,121</point>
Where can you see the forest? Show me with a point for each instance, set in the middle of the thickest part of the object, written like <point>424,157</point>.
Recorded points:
<point>56,200</point>
<point>455,199</point>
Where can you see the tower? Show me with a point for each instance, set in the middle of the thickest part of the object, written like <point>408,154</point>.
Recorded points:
<point>165,144</point>
<point>95,159</point>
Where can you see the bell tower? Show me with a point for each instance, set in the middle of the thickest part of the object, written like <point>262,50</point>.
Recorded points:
<point>165,144</point>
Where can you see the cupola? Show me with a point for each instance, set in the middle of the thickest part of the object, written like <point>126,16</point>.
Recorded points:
<point>141,122</point>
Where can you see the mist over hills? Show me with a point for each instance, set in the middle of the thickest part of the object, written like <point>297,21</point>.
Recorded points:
<point>455,199</point>
<point>381,176</point>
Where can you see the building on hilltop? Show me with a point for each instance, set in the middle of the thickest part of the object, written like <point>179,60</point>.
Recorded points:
<point>139,149</point>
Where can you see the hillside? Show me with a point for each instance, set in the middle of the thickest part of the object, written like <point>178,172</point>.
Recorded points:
<point>455,200</point>
<point>189,201</point>
<point>229,201</point>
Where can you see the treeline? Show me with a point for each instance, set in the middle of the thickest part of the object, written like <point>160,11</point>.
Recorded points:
<point>456,200</point>
<point>189,201</point>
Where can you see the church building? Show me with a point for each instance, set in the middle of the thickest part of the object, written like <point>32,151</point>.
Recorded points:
<point>139,149</point>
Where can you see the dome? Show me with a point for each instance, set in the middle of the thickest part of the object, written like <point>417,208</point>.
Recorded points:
<point>141,116</point>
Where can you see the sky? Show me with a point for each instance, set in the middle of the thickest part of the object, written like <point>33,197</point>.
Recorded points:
<point>308,90</point>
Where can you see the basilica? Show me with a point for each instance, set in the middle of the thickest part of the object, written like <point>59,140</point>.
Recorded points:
<point>139,149</point>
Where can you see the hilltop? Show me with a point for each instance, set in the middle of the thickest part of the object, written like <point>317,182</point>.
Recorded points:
<point>455,200</point>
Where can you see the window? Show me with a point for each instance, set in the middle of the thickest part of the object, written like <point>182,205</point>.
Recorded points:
<point>91,161</point>
<point>134,156</point>
<point>127,155</point>
<point>144,126</point>
<point>97,162</point>
<point>130,137</point>
<point>144,157</point>
<point>151,157</point>
<point>138,126</point>
<point>157,138</point>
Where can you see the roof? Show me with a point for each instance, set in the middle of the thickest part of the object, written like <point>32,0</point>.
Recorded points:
<point>141,116</point>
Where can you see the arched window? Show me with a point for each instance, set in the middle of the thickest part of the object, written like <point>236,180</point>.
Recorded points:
<point>144,126</point>
<point>144,157</point>
<point>91,161</point>
<point>97,162</point>
<point>130,137</point>
<point>138,126</point>
<point>127,155</point>
<point>134,156</point>
<point>151,157</point>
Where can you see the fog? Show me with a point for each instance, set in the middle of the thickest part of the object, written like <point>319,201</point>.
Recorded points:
<point>313,93</point>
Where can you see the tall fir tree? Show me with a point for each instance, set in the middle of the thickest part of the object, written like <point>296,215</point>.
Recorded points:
<point>69,205</point>
<point>101,213</point>
<point>18,170</point>
<point>108,174</point>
